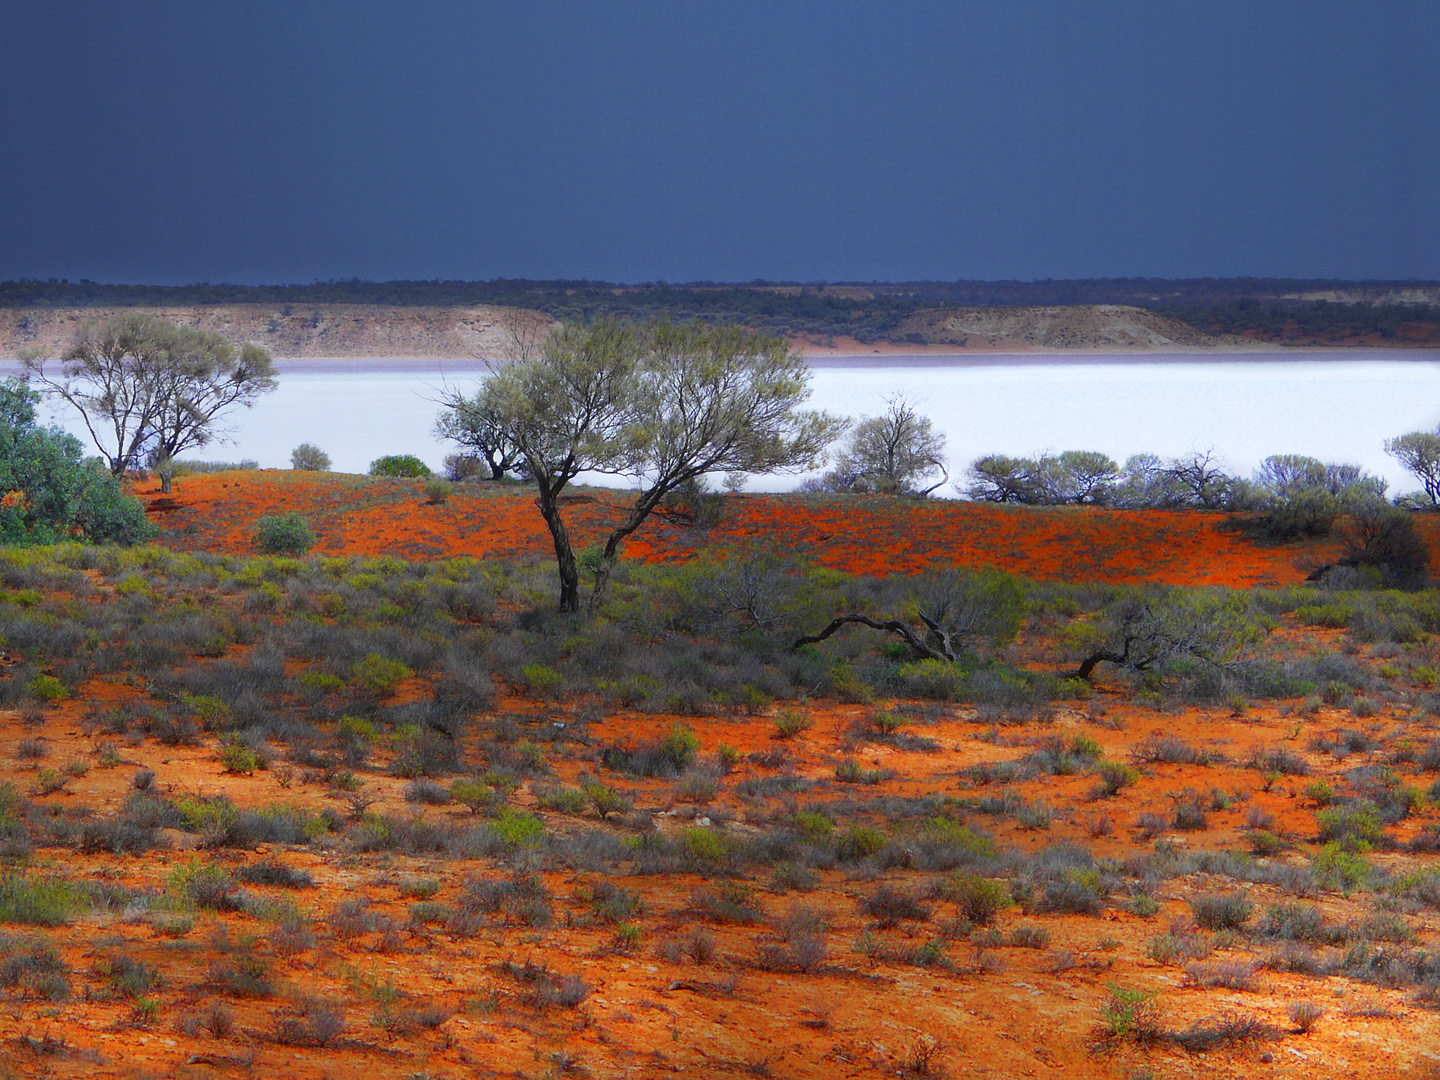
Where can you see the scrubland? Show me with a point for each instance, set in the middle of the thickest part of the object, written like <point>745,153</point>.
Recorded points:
<point>379,810</point>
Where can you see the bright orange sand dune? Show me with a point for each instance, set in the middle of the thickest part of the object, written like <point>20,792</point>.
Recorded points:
<point>870,535</point>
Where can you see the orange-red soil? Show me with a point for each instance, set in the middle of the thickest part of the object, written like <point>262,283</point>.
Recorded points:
<point>1007,1012</point>
<point>874,535</point>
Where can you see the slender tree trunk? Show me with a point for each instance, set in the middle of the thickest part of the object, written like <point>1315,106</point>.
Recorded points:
<point>549,500</point>
<point>166,476</point>
<point>608,557</point>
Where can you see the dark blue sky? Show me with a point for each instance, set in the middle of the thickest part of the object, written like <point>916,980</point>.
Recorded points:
<point>293,141</point>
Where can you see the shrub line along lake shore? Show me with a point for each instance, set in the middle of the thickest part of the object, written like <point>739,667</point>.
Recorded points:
<point>1333,404</point>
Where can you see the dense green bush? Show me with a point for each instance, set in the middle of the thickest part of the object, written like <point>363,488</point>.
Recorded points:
<point>399,465</point>
<point>48,492</point>
<point>285,534</point>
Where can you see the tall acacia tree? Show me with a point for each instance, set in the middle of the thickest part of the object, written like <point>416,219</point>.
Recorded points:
<point>570,409</point>
<point>146,387</point>
<point>663,405</point>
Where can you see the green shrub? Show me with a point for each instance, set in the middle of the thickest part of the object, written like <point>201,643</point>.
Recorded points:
<point>37,903</point>
<point>47,688</point>
<point>1113,777</point>
<point>542,680</point>
<point>52,493</point>
<point>205,885</point>
<point>811,824</point>
<point>1338,869</point>
<point>236,757</point>
<point>1131,1016</point>
<point>48,781</point>
<point>959,838</point>
<point>980,900</point>
<point>560,800</point>
<point>518,829</point>
<point>680,746</point>
<point>424,752</point>
<point>934,680</point>
<point>1334,615</point>
<point>437,490</point>
<point>399,465</point>
<point>379,674</point>
<point>1217,911</point>
<point>702,845</point>
<point>285,534</point>
<point>475,794</point>
<point>356,729</point>
<point>791,722</point>
<point>606,800</point>
<point>309,458</point>
<point>670,756</point>
<point>1356,828</point>
<point>859,842</point>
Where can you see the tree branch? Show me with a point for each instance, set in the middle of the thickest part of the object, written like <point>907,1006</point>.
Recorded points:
<point>892,626</point>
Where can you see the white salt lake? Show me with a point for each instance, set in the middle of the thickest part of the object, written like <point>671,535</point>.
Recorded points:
<point>1336,406</point>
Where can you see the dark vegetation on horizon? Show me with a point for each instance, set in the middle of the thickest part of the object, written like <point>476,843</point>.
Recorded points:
<point>867,311</point>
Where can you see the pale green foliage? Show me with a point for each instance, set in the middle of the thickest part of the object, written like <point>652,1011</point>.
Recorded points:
<point>1146,631</point>
<point>469,423</point>
<point>309,457</point>
<point>1419,452</point>
<point>1303,496</point>
<point>1075,476</point>
<point>145,386</point>
<point>379,674</point>
<point>897,453</point>
<point>961,607</point>
<point>666,405</point>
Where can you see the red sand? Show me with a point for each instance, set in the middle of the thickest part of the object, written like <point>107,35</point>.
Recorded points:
<point>871,535</point>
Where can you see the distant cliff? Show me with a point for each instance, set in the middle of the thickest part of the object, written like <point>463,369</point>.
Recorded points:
<point>343,330</point>
<point>1082,326</point>
<point>297,330</point>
